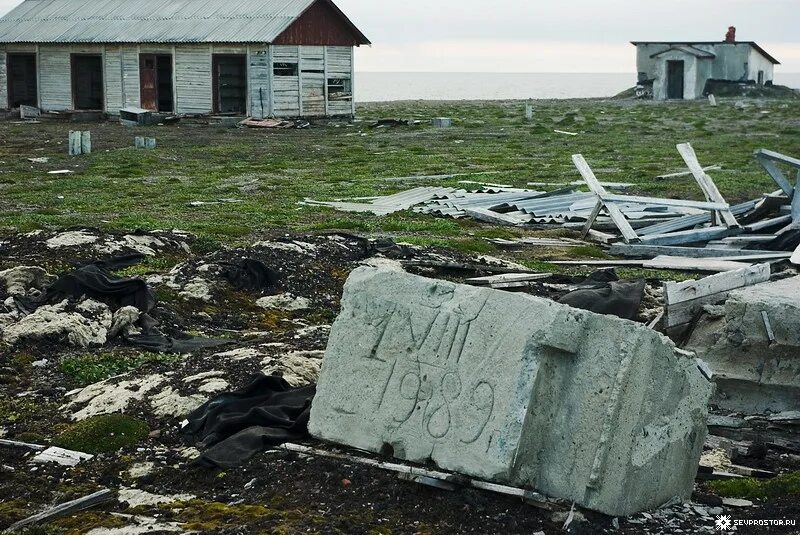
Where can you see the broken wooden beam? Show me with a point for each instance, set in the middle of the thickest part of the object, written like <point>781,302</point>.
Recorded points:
<point>688,173</point>
<point>628,234</point>
<point>413,472</point>
<point>65,509</point>
<point>651,251</point>
<point>684,300</point>
<point>710,189</point>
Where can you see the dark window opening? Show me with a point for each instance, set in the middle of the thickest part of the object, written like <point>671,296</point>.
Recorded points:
<point>230,84</point>
<point>340,89</point>
<point>675,79</point>
<point>314,71</point>
<point>155,81</point>
<point>164,75</point>
<point>22,80</point>
<point>285,69</point>
<point>87,82</point>
<point>760,77</point>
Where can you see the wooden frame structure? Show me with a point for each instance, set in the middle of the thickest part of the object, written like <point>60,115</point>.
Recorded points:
<point>768,159</point>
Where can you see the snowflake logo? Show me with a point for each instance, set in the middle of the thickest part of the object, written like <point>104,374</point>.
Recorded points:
<point>724,523</point>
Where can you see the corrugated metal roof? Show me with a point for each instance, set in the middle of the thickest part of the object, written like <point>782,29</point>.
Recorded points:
<point>150,21</point>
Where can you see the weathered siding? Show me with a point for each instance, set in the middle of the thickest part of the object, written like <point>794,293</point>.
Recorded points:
<point>3,80</point>
<point>55,78</point>
<point>340,65</point>
<point>193,90</point>
<point>312,80</point>
<point>286,89</point>
<point>260,88</point>
<point>113,79</point>
<point>131,95</point>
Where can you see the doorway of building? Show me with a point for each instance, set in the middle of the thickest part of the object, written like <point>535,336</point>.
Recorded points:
<point>675,81</point>
<point>230,83</point>
<point>87,82</point>
<point>22,80</point>
<point>155,79</point>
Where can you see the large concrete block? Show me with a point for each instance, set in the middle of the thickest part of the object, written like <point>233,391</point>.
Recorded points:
<point>513,389</point>
<point>753,347</point>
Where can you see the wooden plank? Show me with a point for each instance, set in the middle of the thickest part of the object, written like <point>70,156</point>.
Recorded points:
<point>501,281</point>
<point>706,183</point>
<point>776,174</point>
<point>642,251</point>
<point>664,262</point>
<point>679,292</point>
<point>635,199</point>
<point>795,211</point>
<point>482,214</point>
<point>592,218</point>
<point>778,157</point>
<point>17,444</point>
<point>688,173</point>
<point>688,236</point>
<point>628,234</point>
<point>768,223</point>
<point>693,264</point>
<point>795,259</point>
<point>685,300</point>
<point>65,509</point>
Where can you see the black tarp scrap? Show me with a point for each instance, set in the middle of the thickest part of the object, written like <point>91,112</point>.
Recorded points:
<point>250,275</point>
<point>232,427</point>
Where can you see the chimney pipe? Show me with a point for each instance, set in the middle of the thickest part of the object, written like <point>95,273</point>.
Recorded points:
<point>730,37</point>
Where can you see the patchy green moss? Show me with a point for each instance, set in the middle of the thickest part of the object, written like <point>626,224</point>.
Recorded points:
<point>87,521</point>
<point>756,489</point>
<point>31,438</point>
<point>100,434</point>
<point>202,516</point>
<point>12,511</point>
<point>93,367</point>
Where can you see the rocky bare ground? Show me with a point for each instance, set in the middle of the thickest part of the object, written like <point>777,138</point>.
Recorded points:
<point>69,378</point>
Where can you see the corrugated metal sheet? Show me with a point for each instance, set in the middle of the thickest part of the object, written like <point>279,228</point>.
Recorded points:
<point>149,21</point>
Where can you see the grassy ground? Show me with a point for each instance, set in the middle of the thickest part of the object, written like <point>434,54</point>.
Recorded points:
<point>270,171</point>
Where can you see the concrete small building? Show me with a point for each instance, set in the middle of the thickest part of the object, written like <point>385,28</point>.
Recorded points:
<point>283,58</point>
<point>681,70</point>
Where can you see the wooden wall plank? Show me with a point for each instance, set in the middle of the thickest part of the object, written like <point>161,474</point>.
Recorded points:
<point>56,78</point>
<point>193,90</point>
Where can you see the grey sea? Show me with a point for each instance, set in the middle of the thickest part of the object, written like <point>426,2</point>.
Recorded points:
<point>389,86</point>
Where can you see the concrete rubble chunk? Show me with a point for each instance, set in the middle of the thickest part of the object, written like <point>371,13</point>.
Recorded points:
<point>513,389</point>
<point>754,348</point>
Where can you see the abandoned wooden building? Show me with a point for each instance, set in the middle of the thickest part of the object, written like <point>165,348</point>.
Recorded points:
<point>283,58</point>
<point>682,70</point>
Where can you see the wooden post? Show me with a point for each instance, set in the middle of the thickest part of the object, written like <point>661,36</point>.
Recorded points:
<point>86,142</point>
<point>74,143</point>
<point>138,142</point>
<point>529,111</point>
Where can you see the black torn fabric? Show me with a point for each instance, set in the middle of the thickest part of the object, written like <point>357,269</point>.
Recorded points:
<point>250,275</point>
<point>622,299</point>
<point>96,282</point>
<point>234,426</point>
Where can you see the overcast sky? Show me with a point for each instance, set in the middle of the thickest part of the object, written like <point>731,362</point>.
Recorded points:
<point>553,35</point>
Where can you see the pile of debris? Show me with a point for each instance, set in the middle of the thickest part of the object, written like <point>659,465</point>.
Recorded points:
<point>712,233</point>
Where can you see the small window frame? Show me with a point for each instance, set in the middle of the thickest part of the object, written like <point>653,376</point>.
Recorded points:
<point>285,68</point>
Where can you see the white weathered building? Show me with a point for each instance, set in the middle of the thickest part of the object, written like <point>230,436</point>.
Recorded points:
<point>681,70</point>
<point>283,58</point>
